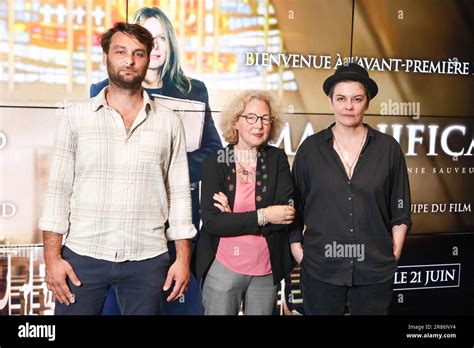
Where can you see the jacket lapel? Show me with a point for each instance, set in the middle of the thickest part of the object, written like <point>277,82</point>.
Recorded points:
<point>230,174</point>
<point>261,186</point>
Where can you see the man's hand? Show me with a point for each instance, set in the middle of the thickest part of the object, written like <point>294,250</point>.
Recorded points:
<point>179,271</point>
<point>57,270</point>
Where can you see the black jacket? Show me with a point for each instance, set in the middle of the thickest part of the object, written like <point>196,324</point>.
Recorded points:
<point>273,186</point>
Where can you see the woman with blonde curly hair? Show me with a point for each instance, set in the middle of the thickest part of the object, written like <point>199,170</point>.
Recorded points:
<point>246,205</point>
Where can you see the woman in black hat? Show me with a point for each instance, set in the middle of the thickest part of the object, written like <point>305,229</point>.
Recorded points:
<point>353,196</point>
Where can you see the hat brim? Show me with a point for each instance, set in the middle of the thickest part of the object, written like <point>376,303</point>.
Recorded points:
<point>350,76</point>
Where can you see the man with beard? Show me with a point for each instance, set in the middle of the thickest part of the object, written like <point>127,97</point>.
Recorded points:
<point>118,173</point>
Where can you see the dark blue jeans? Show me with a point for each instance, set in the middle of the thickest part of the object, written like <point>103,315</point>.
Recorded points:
<point>188,304</point>
<point>139,284</point>
<point>321,298</point>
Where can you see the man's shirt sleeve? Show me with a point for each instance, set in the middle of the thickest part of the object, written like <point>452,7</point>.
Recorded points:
<point>56,209</point>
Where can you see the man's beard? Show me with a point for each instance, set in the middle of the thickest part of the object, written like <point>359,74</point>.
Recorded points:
<point>123,82</point>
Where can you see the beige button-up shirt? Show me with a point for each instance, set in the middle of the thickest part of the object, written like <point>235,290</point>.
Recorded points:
<point>111,192</point>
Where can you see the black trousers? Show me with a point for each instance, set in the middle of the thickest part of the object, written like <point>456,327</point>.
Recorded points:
<point>321,298</point>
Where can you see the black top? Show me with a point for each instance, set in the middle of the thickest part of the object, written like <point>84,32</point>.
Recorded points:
<point>345,217</point>
<point>273,186</point>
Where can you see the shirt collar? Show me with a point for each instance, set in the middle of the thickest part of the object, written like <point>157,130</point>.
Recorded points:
<point>99,101</point>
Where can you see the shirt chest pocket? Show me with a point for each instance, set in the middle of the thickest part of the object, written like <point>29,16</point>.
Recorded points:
<point>153,148</point>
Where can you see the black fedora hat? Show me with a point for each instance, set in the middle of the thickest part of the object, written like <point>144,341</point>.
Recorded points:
<point>351,72</point>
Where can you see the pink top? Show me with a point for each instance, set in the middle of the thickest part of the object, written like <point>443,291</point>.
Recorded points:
<point>247,254</point>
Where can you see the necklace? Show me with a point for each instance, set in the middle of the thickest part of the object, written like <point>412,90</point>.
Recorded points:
<point>244,172</point>
<point>247,174</point>
<point>344,157</point>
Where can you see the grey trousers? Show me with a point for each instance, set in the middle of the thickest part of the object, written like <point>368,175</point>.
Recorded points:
<point>224,290</point>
